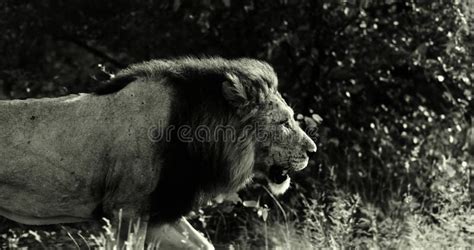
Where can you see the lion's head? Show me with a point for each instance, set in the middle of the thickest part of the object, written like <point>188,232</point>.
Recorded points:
<point>239,124</point>
<point>280,145</point>
<point>286,146</point>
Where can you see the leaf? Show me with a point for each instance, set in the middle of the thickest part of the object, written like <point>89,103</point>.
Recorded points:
<point>340,73</point>
<point>420,53</point>
<point>234,198</point>
<point>250,203</point>
<point>440,78</point>
<point>450,171</point>
<point>263,212</point>
<point>318,119</point>
<point>334,141</point>
<point>176,5</point>
<point>226,3</point>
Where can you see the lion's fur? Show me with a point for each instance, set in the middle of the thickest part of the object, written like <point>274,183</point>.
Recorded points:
<point>69,156</point>
<point>82,156</point>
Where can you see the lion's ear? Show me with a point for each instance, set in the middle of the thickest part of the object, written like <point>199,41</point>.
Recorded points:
<point>234,91</point>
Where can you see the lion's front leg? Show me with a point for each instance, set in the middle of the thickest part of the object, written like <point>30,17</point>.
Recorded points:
<point>178,235</point>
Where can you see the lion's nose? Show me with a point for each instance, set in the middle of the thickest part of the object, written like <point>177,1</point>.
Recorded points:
<point>310,145</point>
<point>312,148</point>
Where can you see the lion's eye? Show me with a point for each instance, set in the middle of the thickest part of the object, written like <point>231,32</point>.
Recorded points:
<point>285,123</point>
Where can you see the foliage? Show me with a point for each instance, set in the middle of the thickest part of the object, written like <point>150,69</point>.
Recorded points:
<point>392,81</point>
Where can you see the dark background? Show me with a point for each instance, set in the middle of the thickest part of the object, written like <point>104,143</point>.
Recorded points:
<point>391,81</point>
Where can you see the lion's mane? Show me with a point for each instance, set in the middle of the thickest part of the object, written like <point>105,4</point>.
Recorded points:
<point>195,171</point>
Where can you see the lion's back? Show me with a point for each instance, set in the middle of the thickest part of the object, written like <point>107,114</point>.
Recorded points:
<point>57,153</point>
<point>45,168</point>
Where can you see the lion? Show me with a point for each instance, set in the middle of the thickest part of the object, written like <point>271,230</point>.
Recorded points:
<point>103,154</point>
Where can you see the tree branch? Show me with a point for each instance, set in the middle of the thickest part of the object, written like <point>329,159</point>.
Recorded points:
<point>91,50</point>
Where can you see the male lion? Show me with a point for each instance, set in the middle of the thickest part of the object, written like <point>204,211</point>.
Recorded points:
<point>80,157</point>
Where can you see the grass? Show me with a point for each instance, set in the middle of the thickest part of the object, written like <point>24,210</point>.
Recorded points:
<point>320,217</point>
<point>349,223</point>
<point>345,222</point>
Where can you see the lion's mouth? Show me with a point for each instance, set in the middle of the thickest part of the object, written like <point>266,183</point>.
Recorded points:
<point>278,179</point>
<point>278,174</point>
